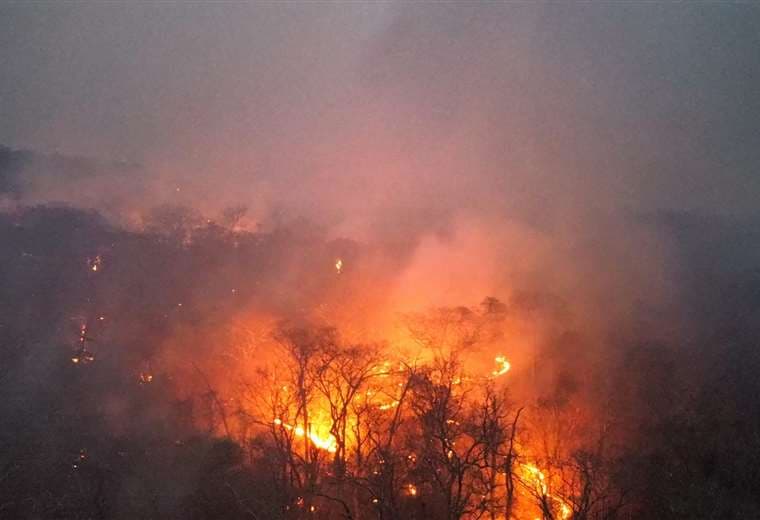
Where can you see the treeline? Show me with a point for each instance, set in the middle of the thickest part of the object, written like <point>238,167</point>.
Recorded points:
<point>354,434</point>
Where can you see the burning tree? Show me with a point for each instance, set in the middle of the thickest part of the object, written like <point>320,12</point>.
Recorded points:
<point>352,430</point>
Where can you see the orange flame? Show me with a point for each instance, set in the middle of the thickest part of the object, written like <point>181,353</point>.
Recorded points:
<point>503,366</point>
<point>323,442</point>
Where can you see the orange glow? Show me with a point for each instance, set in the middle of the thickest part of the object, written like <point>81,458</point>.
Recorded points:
<point>503,366</point>
<point>539,482</point>
<point>324,406</point>
<point>536,477</point>
<point>325,442</point>
<point>83,356</point>
<point>95,263</point>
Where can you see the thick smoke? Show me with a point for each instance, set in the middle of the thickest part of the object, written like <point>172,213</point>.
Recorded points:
<point>590,166</point>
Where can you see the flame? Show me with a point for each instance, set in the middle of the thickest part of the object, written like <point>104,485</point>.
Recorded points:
<point>536,476</point>
<point>323,442</point>
<point>533,474</point>
<point>338,265</point>
<point>83,356</point>
<point>384,369</point>
<point>95,263</point>
<point>503,366</point>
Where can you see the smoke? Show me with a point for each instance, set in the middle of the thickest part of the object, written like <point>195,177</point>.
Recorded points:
<point>591,166</point>
<point>465,150</point>
<point>444,152</point>
<point>351,114</point>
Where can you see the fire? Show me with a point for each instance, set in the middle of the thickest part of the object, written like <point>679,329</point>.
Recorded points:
<point>503,366</point>
<point>338,265</point>
<point>322,442</point>
<point>537,478</point>
<point>95,263</point>
<point>83,356</point>
<point>80,459</point>
<point>346,405</point>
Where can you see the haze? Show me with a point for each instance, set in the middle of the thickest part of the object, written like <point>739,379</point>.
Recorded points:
<point>379,260</point>
<point>344,110</point>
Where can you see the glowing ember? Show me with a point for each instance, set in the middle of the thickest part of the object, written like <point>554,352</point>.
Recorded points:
<point>145,378</point>
<point>83,356</point>
<point>95,263</point>
<point>503,366</point>
<point>411,490</point>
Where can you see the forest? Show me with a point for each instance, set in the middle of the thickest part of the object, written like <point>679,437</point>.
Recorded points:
<point>169,373</point>
<point>379,260</point>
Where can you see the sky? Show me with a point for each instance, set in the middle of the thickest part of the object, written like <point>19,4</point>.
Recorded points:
<point>355,109</point>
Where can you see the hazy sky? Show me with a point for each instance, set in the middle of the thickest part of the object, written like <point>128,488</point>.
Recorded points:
<point>363,106</point>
